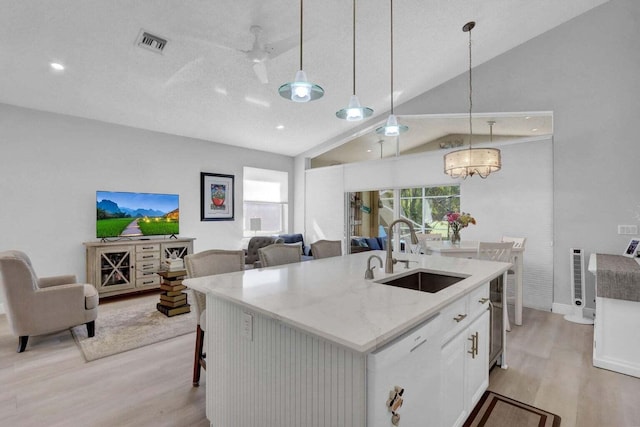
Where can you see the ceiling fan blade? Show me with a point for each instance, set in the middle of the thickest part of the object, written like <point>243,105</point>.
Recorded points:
<point>189,72</point>
<point>281,46</point>
<point>260,68</point>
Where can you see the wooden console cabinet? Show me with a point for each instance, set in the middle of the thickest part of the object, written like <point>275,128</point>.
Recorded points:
<point>122,267</point>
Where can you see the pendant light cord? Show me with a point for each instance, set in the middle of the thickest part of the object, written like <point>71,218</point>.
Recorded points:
<point>470,92</point>
<point>354,47</point>
<point>391,18</point>
<point>301,1</point>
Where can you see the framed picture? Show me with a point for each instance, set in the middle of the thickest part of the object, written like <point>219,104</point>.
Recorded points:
<point>216,197</point>
<point>632,248</point>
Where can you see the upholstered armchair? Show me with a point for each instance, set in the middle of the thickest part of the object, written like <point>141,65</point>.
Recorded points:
<point>37,306</point>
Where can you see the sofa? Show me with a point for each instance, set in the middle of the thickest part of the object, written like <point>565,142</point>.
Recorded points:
<point>362,244</point>
<point>251,258</point>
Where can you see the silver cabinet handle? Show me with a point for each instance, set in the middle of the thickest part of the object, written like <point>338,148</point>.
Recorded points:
<point>483,300</point>
<point>460,317</point>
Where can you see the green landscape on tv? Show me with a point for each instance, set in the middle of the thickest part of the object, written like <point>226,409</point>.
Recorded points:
<point>125,214</point>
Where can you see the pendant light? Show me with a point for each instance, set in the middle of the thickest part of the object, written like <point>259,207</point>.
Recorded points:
<point>354,111</point>
<point>301,90</point>
<point>392,127</point>
<point>471,161</point>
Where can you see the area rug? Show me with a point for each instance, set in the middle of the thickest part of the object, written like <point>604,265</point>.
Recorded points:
<point>126,325</point>
<point>494,410</point>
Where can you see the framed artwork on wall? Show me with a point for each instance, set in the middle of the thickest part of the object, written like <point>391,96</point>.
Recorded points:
<point>216,197</point>
<point>632,248</point>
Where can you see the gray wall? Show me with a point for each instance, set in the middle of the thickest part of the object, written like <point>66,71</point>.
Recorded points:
<point>51,166</point>
<point>587,72</point>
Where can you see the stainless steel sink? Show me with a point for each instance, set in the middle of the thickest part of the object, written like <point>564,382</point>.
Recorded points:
<point>423,281</point>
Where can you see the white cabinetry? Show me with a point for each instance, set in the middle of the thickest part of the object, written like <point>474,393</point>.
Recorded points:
<point>465,356</point>
<point>116,268</point>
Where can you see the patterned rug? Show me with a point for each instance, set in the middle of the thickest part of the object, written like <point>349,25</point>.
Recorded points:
<point>494,410</point>
<point>129,324</point>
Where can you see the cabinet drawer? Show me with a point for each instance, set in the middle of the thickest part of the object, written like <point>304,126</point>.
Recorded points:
<point>147,256</point>
<point>479,301</point>
<point>150,247</point>
<point>152,264</point>
<point>151,280</point>
<point>455,317</point>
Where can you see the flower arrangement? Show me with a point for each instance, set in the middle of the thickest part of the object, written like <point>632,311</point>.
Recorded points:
<point>457,221</point>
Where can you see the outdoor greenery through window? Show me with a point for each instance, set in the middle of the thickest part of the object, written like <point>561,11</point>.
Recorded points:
<point>424,207</point>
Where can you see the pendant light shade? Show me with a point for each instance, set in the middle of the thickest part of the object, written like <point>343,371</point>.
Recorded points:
<point>392,128</point>
<point>472,161</point>
<point>300,89</point>
<point>354,110</point>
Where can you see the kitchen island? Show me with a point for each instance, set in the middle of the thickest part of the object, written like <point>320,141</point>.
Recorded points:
<point>288,345</point>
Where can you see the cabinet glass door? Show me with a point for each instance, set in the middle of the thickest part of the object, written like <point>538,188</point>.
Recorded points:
<point>115,269</point>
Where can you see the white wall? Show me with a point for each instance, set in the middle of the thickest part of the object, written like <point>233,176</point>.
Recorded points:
<point>51,166</point>
<point>498,203</point>
<point>586,72</point>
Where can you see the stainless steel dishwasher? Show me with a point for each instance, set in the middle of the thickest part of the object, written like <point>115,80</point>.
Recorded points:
<point>403,379</point>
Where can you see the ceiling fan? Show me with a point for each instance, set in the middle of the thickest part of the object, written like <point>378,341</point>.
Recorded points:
<point>259,54</point>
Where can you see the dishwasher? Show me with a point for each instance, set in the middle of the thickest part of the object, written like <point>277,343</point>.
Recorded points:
<point>403,383</point>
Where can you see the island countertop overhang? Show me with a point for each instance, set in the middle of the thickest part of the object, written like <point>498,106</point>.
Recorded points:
<point>331,299</point>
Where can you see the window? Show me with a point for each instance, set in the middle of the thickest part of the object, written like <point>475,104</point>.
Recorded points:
<point>426,207</point>
<point>265,201</point>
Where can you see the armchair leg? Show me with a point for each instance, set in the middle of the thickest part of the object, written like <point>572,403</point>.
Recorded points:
<point>22,343</point>
<point>91,328</point>
<point>198,356</point>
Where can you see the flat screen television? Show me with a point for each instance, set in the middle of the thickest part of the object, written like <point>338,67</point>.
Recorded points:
<point>123,214</point>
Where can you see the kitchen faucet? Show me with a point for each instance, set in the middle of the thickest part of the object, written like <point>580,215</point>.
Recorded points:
<point>369,273</point>
<point>388,266</point>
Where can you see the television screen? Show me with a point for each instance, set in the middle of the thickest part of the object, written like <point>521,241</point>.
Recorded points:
<point>121,214</point>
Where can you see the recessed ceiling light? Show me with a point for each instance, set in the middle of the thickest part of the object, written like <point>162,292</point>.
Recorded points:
<point>527,118</point>
<point>280,127</point>
<point>369,150</point>
<point>534,130</point>
<point>56,66</point>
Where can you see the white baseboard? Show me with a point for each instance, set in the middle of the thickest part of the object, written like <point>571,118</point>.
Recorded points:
<point>566,309</point>
<point>562,308</point>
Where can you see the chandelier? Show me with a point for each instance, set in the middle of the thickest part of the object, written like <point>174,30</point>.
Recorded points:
<point>471,161</point>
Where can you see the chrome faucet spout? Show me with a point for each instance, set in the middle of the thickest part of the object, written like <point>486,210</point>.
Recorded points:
<point>388,266</point>
<point>369,273</point>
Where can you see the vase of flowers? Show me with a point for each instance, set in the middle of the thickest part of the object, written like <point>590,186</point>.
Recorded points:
<point>457,221</point>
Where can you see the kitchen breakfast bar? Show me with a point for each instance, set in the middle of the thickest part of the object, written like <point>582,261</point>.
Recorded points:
<point>316,344</point>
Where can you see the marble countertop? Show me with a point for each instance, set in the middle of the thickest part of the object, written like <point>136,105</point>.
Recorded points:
<point>331,299</point>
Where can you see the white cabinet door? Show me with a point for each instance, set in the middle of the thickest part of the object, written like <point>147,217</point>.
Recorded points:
<point>478,362</point>
<point>452,384</point>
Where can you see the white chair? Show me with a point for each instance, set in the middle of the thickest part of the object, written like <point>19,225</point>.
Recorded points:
<point>208,263</point>
<point>423,238</point>
<point>500,252</point>
<point>279,254</point>
<point>326,249</point>
<point>518,242</point>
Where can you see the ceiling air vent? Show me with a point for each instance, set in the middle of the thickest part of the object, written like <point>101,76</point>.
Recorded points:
<point>149,41</point>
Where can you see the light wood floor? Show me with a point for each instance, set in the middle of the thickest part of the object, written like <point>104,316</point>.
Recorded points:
<point>51,385</point>
<point>550,367</point>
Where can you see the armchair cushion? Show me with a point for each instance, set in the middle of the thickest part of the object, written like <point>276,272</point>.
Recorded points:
<point>45,282</point>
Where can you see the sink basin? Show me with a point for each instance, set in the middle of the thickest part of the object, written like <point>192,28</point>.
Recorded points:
<point>423,281</point>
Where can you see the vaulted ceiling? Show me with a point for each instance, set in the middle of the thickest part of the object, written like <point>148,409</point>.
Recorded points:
<point>203,84</point>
